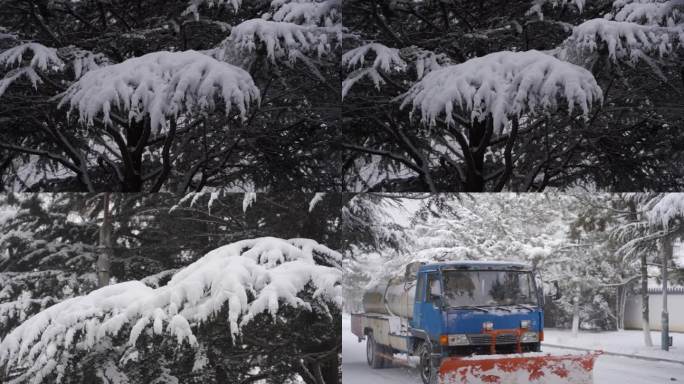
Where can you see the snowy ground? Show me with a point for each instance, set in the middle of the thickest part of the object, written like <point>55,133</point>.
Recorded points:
<point>624,342</point>
<point>608,370</point>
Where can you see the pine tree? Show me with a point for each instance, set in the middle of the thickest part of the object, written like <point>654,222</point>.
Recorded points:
<point>489,95</point>
<point>120,96</point>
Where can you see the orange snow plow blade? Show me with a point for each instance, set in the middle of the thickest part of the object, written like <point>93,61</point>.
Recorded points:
<point>519,369</point>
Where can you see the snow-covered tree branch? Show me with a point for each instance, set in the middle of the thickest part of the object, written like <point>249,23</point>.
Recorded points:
<point>247,278</point>
<point>496,89</point>
<point>120,97</point>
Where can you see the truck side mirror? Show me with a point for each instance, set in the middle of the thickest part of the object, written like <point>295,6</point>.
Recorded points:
<point>437,301</point>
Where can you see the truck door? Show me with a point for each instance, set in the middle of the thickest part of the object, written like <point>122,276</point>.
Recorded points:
<point>432,316</point>
<point>428,306</point>
<point>416,321</point>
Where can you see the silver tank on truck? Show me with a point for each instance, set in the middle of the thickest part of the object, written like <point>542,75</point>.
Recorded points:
<point>394,296</point>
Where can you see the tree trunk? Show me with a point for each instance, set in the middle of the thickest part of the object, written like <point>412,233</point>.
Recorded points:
<point>105,257</point>
<point>622,309</point>
<point>575,315</point>
<point>618,307</point>
<point>665,333</point>
<point>331,370</point>
<point>645,326</point>
<point>137,134</point>
<point>479,135</point>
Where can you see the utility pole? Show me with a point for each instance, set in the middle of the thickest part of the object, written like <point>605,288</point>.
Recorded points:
<point>665,333</point>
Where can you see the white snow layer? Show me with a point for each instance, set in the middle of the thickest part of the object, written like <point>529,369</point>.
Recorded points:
<point>160,85</point>
<point>43,58</point>
<point>270,270</point>
<point>624,39</point>
<point>282,39</point>
<point>670,207</point>
<point>386,59</point>
<point>503,85</point>
<point>306,11</point>
<point>652,12</point>
<point>318,197</point>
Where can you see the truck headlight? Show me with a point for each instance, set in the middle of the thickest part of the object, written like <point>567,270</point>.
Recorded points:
<point>458,340</point>
<point>529,337</point>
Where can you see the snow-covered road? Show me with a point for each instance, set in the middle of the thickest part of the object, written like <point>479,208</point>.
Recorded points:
<point>608,370</point>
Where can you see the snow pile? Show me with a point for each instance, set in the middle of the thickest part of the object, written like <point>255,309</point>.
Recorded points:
<point>160,85</point>
<point>43,58</point>
<point>503,85</point>
<point>665,211</point>
<point>623,39</point>
<point>628,342</point>
<point>246,278</point>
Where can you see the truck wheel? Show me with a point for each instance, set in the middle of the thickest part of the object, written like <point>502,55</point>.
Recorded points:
<point>427,371</point>
<point>536,347</point>
<point>374,352</point>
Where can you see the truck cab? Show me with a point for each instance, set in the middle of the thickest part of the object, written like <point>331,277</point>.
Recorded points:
<point>478,307</point>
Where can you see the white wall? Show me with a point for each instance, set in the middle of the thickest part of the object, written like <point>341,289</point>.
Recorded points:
<point>675,307</point>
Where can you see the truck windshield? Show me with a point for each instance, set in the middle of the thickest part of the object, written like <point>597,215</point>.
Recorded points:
<point>488,288</point>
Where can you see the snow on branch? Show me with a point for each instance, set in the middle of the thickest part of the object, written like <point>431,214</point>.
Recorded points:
<point>386,59</point>
<point>283,39</point>
<point>503,85</point>
<point>194,5</point>
<point>624,39</point>
<point>426,61</point>
<point>245,278</point>
<point>665,211</point>
<point>86,61</point>
<point>324,12</point>
<point>13,75</point>
<point>648,11</point>
<point>538,4</point>
<point>43,58</point>
<point>160,85</point>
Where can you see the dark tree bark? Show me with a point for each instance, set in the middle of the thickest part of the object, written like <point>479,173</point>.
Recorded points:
<point>104,260</point>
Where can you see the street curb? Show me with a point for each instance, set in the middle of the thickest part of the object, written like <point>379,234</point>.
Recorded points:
<point>615,354</point>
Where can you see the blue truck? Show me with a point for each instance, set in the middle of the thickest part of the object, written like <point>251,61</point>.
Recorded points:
<point>440,311</point>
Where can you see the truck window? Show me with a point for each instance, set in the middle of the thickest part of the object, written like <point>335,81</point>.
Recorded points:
<point>483,288</point>
<point>420,288</point>
<point>434,287</point>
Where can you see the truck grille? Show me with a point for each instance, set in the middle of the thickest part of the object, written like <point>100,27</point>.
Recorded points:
<point>483,339</point>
